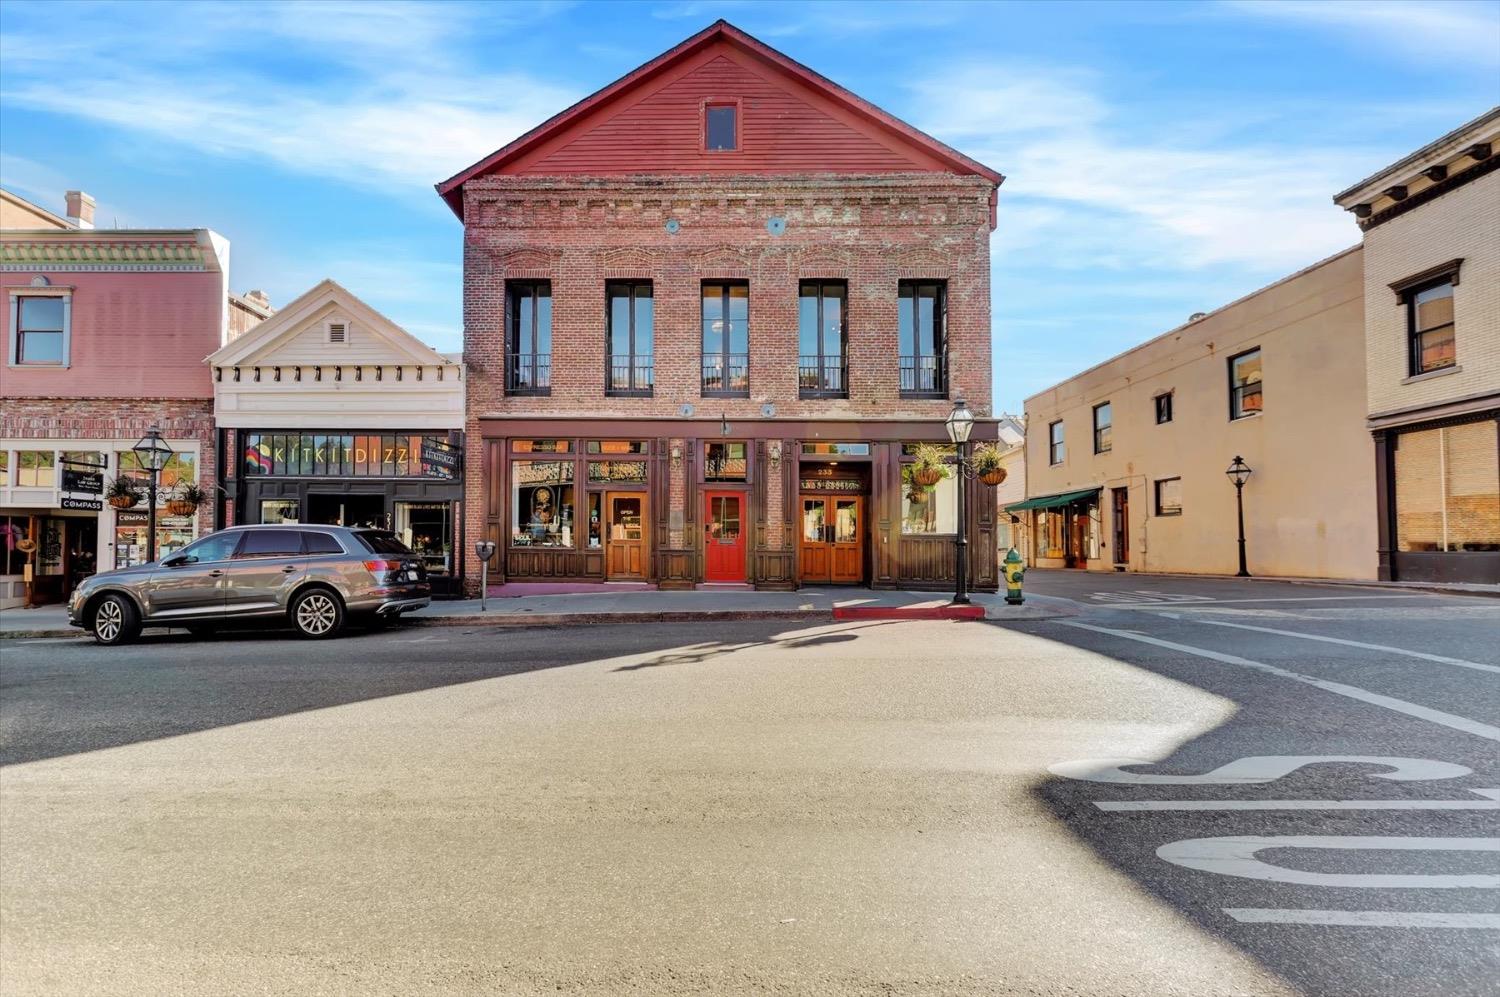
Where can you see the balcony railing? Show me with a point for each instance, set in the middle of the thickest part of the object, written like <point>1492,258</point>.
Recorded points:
<point>822,377</point>
<point>726,375</point>
<point>630,375</point>
<point>924,376</point>
<point>529,374</point>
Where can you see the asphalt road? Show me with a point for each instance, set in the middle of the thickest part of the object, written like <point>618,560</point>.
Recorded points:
<point>864,808</point>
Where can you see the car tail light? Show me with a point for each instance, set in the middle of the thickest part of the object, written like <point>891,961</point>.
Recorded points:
<point>378,566</point>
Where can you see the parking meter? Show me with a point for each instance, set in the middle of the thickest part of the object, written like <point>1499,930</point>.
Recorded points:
<point>484,550</point>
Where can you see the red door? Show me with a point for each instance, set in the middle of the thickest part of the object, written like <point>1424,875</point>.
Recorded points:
<point>723,537</point>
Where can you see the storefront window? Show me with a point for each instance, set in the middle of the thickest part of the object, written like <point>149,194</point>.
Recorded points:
<point>724,462</point>
<point>541,503</point>
<point>172,534</point>
<point>930,510</point>
<point>595,528</point>
<point>13,531</point>
<point>835,449</point>
<point>1448,489</point>
<point>4,468</point>
<point>179,468</point>
<point>617,470</point>
<point>279,511</point>
<point>427,528</point>
<point>36,469</point>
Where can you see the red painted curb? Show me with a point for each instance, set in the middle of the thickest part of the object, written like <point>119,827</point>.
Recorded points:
<point>908,613</point>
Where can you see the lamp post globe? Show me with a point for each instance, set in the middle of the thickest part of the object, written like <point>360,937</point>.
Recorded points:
<point>153,453</point>
<point>1238,472</point>
<point>960,424</point>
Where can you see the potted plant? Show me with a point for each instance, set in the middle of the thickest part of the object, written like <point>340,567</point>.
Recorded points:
<point>927,469</point>
<point>121,493</point>
<point>986,462</point>
<point>187,500</point>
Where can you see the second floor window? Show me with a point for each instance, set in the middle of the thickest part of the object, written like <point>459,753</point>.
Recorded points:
<point>726,339</point>
<point>631,317</point>
<point>924,347</point>
<point>1103,423</point>
<point>40,336</point>
<point>1244,384</point>
<point>1055,449</point>
<point>1164,408</point>
<point>822,336</point>
<point>528,310</point>
<point>1429,324</point>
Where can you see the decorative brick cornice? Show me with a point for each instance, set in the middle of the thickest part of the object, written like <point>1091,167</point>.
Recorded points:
<point>79,255</point>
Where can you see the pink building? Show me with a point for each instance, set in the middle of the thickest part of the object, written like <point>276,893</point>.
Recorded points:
<point>105,335</point>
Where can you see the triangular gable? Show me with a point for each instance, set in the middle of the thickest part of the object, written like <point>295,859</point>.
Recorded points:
<point>273,340</point>
<point>810,124</point>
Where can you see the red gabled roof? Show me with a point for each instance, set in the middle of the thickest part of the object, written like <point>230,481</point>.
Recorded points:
<point>923,146</point>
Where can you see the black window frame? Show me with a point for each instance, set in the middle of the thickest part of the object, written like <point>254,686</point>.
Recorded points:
<point>1163,403</point>
<point>536,365</point>
<point>723,356</point>
<point>1414,335</point>
<point>1057,445</point>
<point>637,369</point>
<point>1156,496</point>
<point>818,375</point>
<point>1108,444</point>
<point>913,367</point>
<point>1237,393</point>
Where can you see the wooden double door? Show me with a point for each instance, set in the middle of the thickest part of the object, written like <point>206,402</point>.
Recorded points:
<point>625,536</point>
<point>832,544</point>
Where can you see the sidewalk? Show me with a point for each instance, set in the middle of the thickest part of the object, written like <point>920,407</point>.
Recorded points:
<point>1451,588</point>
<point>649,606</point>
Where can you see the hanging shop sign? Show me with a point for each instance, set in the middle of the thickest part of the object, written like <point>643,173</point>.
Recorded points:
<point>81,478</point>
<point>439,455</point>
<point>85,505</point>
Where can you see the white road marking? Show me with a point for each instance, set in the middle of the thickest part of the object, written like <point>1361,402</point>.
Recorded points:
<point>1254,770</point>
<point>1364,918</point>
<point>1235,856</point>
<point>1449,720</point>
<point>1298,598</point>
<point>1491,802</point>
<point>1441,659</point>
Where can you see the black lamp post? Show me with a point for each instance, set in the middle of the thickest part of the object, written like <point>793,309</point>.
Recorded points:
<point>959,425</point>
<point>153,453</point>
<point>1238,472</point>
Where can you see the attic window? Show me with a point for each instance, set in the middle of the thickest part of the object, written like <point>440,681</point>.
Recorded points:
<point>338,332</point>
<point>721,131</point>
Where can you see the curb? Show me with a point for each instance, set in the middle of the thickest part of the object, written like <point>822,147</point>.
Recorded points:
<point>526,619</point>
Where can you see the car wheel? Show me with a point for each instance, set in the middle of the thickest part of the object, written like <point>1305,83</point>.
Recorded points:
<point>116,621</point>
<point>317,614</point>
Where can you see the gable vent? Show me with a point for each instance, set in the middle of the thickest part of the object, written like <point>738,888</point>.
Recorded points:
<point>338,332</point>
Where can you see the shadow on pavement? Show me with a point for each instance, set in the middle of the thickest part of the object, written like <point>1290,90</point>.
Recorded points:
<point>1276,719</point>
<point>61,697</point>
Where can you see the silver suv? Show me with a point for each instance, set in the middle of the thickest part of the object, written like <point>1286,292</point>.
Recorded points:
<point>315,577</point>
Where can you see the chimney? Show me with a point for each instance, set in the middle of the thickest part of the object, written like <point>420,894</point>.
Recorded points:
<point>80,209</point>
<point>258,298</point>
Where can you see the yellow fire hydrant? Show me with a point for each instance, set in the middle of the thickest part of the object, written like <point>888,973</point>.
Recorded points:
<point>1015,571</point>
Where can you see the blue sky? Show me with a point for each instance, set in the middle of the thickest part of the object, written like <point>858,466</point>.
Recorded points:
<point>1161,159</point>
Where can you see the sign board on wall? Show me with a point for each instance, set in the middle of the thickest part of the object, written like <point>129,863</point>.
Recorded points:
<point>78,479</point>
<point>86,505</point>
<point>437,454</point>
<point>832,485</point>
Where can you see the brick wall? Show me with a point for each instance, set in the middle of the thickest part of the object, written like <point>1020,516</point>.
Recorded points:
<point>119,419</point>
<point>1464,223</point>
<point>578,232</point>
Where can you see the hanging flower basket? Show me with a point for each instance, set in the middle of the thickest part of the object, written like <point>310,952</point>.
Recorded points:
<point>123,501</point>
<point>993,478</point>
<point>917,495</point>
<point>927,476</point>
<point>181,507</point>
<point>987,461</point>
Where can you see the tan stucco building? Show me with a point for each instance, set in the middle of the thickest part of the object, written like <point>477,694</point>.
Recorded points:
<point>1125,462</point>
<point>1432,319</point>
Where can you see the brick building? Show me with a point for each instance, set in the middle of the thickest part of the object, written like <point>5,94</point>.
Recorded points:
<point>1431,227</point>
<point>708,312</point>
<point>105,335</point>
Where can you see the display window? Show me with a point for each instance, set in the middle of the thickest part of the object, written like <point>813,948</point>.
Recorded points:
<point>279,511</point>
<point>172,534</point>
<point>617,470</point>
<point>932,510</point>
<point>427,529</point>
<point>541,503</point>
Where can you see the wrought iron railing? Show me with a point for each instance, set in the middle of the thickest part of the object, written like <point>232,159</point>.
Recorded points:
<point>630,375</point>
<point>726,374</point>
<point>822,377</point>
<point>924,376</point>
<point>529,374</point>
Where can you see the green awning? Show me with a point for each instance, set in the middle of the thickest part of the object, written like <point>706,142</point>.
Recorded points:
<point>1052,501</point>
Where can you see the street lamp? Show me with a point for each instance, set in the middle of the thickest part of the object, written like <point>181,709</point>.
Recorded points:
<point>1238,472</point>
<point>153,454</point>
<point>959,425</point>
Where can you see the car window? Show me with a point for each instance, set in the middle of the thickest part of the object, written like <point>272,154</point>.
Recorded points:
<point>382,542</point>
<point>216,547</point>
<point>320,543</point>
<point>270,543</point>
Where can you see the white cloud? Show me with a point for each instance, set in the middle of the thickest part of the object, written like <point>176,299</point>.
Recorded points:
<point>1458,35</point>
